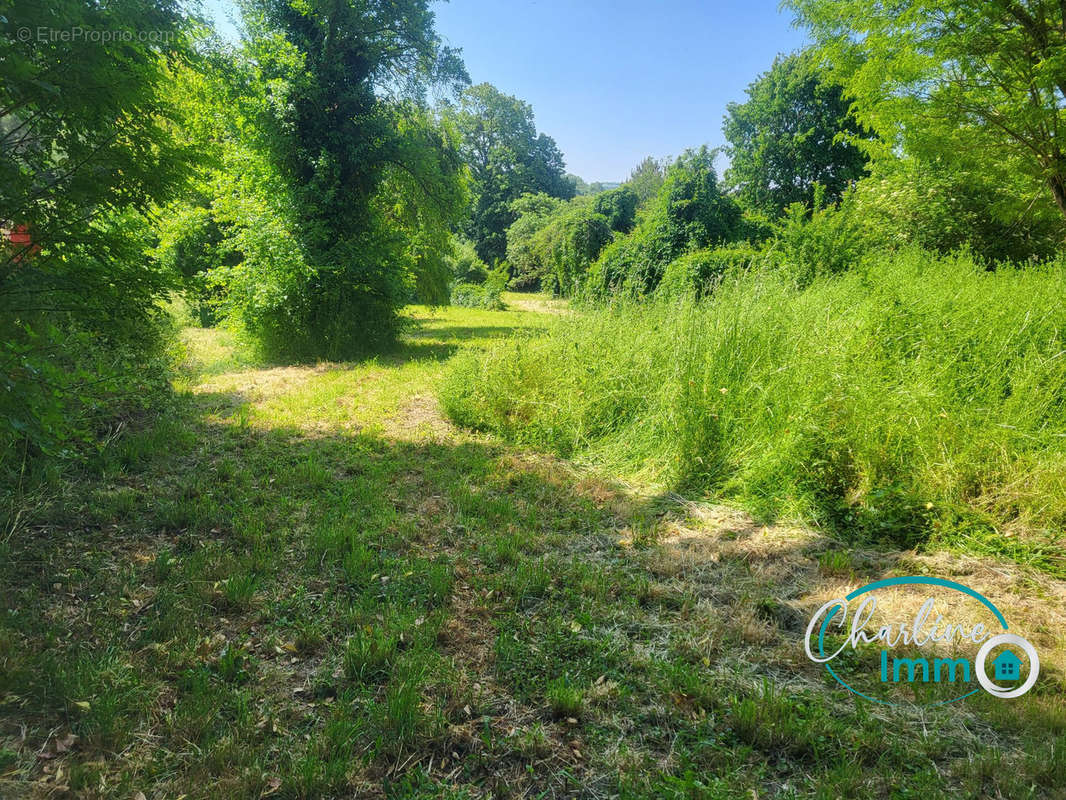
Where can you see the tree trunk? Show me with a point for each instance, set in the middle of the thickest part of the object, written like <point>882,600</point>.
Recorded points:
<point>1057,182</point>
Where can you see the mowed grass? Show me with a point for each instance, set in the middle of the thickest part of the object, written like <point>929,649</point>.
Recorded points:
<point>303,582</point>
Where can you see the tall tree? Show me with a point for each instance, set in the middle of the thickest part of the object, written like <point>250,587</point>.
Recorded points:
<point>985,75</point>
<point>349,121</point>
<point>794,131</point>
<point>647,177</point>
<point>690,212</point>
<point>507,158</point>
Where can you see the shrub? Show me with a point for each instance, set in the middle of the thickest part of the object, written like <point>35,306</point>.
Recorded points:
<point>820,241</point>
<point>524,253</point>
<point>911,397</point>
<point>690,213</point>
<point>553,243</point>
<point>947,207</point>
<point>464,263</point>
<point>619,207</point>
<point>482,295</point>
<point>570,242</point>
<point>699,272</point>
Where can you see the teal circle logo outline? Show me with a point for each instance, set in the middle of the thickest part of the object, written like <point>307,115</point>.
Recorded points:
<point>910,579</point>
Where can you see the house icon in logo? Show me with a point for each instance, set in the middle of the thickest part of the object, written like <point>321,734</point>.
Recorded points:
<point>1007,666</point>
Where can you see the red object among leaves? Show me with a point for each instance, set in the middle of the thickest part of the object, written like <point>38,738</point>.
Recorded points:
<point>20,238</point>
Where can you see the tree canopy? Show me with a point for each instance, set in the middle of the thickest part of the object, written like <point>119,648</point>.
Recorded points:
<point>793,132</point>
<point>507,158</point>
<point>937,77</point>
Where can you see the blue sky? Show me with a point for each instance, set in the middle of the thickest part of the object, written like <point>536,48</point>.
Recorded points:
<point>613,81</point>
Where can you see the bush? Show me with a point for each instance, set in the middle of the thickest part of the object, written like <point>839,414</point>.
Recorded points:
<point>524,251</point>
<point>94,355</point>
<point>569,244</point>
<point>699,272</point>
<point>912,397</point>
<point>619,206</point>
<point>482,295</point>
<point>553,243</point>
<point>821,241</point>
<point>948,207</point>
<point>464,263</point>
<point>689,213</point>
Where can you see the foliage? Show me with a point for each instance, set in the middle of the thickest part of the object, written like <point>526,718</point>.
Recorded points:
<point>464,264</point>
<point>910,398</point>
<point>579,184</point>
<point>699,272</point>
<point>689,213</point>
<point>939,77</point>
<point>795,131</point>
<point>524,254</point>
<point>486,295</point>
<point>366,183</point>
<point>328,223</point>
<point>552,243</point>
<point>86,135</point>
<point>507,158</point>
<point>647,177</point>
<point>810,243</point>
<point>619,206</point>
<point>951,202</point>
<point>569,243</point>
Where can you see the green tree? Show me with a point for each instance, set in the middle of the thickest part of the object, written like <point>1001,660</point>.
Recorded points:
<point>647,177</point>
<point>570,242</point>
<point>934,76</point>
<point>580,187</point>
<point>366,169</point>
<point>793,132</point>
<point>619,206</point>
<point>690,212</point>
<point>88,149</point>
<point>507,158</point>
<point>524,256</point>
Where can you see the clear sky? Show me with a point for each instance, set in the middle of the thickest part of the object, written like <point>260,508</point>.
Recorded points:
<point>613,81</point>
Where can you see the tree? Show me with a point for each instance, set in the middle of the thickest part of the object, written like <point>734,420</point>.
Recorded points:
<point>619,206</point>
<point>507,158</point>
<point>690,212</point>
<point>933,76</point>
<point>88,150</point>
<point>580,187</point>
<point>532,213</point>
<point>793,132</point>
<point>374,181</point>
<point>647,177</point>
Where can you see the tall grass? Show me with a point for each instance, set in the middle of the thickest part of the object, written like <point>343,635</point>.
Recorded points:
<point>912,399</point>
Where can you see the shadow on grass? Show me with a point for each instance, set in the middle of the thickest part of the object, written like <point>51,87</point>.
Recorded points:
<point>313,608</point>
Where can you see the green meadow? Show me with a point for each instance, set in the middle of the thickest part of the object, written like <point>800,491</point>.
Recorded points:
<point>306,582</point>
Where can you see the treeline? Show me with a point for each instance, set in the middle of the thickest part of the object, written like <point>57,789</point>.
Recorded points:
<point>823,172</point>
<point>299,187</point>
<point>303,185</point>
<point>859,325</point>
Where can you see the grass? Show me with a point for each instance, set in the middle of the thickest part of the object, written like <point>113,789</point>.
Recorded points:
<point>915,401</point>
<point>304,582</point>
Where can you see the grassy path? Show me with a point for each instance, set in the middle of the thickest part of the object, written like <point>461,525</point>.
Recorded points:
<point>306,583</point>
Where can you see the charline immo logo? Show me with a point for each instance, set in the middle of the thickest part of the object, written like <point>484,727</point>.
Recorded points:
<point>939,645</point>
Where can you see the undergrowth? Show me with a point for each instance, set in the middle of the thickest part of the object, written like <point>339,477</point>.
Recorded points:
<point>916,399</point>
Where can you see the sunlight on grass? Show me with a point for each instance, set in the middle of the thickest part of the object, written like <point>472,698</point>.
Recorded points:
<point>306,576</point>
